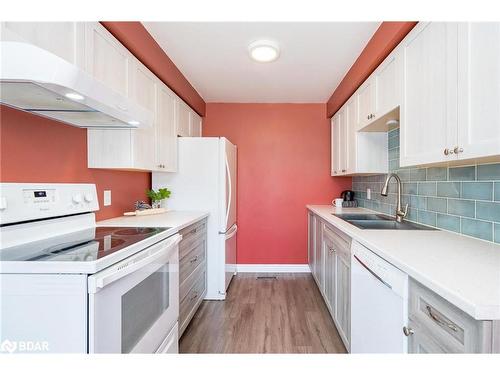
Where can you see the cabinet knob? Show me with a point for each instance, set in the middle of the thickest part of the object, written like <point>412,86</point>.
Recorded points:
<point>446,151</point>
<point>368,117</point>
<point>458,150</point>
<point>343,170</point>
<point>408,331</point>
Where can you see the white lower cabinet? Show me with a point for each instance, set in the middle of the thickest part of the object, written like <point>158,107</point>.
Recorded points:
<point>331,271</point>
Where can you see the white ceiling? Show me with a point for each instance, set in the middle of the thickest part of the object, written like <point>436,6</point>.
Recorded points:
<point>213,56</point>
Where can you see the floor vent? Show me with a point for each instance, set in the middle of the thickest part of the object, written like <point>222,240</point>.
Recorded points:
<point>267,277</point>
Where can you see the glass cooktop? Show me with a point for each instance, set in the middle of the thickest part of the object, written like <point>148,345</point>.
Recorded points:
<point>81,246</point>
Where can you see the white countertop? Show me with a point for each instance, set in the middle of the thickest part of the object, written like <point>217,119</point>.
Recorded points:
<point>176,220</point>
<point>463,270</point>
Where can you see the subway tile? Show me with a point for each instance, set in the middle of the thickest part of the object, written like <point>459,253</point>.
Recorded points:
<point>497,232</point>
<point>426,217</point>
<point>462,174</point>
<point>394,153</point>
<point>418,202</point>
<point>417,174</point>
<point>477,190</point>
<point>448,222</point>
<point>412,214</point>
<point>461,207</point>
<point>437,204</point>
<point>497,191</point>
<point>477,228</point>
<point>488,172</point>
<point>427,188</point>
<point>488,211</point>
<point>410,188</point>
<point>448,189</point>
<point>393,133</point>
<point>437,174</point>
<point>393,142</point>
<point>393,165</point>
<point>404,174</point>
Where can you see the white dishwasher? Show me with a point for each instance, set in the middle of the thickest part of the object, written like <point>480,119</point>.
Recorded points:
<point>379,305</point>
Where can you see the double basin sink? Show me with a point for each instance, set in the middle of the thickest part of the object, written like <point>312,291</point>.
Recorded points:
<point>378,221</point>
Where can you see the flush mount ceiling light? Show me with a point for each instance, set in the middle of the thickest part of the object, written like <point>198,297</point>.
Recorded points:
<point>74,96</point>
<point>264,50</point>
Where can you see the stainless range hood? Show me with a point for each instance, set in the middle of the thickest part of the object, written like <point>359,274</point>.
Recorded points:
<point>37,81</point>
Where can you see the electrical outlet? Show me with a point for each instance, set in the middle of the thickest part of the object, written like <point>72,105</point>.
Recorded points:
<point>107,197</point>
<point>368,193</point>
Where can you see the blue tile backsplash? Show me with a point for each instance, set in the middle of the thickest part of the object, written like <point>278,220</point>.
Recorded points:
<point>461,199</point>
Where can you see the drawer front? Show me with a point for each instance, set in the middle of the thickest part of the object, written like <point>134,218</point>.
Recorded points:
<point>190,302</point>
<point>421,342</point>
<point>190,235</point>
<point>341,242</point>
<point>192,259</point>
<point>452,329</point>
<point>191,280</point>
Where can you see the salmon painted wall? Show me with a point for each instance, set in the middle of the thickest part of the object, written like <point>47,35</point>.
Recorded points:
<point>34,149</point>
<point>283,164</point>
<point>135,37</point>
<point>385,39</point>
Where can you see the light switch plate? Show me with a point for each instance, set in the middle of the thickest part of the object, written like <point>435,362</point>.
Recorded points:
<point>107,197</point>
<point>368,193</point>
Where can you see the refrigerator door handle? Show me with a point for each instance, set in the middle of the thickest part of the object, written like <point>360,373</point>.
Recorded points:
<point>228,170</point>
<point>231,232</point>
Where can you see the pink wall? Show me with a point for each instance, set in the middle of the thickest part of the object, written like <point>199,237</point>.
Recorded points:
<point>34,149</point>
<point>283,164</point>
<point>138,41</point>
<point>385,39</point>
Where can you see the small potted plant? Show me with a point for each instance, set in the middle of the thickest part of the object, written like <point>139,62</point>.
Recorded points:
<point>159,198</point>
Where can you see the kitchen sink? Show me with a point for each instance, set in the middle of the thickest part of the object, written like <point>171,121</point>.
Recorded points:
<point>376,221</point>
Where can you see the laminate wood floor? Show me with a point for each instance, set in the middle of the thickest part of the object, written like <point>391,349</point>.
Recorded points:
<point>282,315</point>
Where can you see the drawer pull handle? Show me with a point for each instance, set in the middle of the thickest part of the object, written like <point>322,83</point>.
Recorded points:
<point>195,259</point>
<point>194,297</point>
<point>439,321</point>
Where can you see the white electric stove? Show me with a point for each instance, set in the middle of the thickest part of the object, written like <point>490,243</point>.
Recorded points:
<point>68,285</point>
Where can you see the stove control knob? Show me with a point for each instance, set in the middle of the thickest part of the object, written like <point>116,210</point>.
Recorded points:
<point>88,197</point>
<point>77,198</point>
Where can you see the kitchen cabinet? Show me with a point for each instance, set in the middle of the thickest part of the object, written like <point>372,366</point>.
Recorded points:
<point>387,85</point>
<point>354,152</point>
<point>343,292</point>
<point>192,271</point>
<point>106,59</point>
<point>311,238</point>
<point>429,106</point>
<point>478,91</point>
<point>436,326</point>
<point>184,126</point>
<point>329,249</point>
<point>195,124</point>
<point>64,39</point>
<point>365,96</point>
<point>319,259</point>
<point>166,130</point>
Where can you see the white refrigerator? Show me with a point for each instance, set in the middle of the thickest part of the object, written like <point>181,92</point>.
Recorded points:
<point>206,181</point>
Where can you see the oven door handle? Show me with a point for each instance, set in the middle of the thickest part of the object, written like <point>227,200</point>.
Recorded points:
<point>132,264</point>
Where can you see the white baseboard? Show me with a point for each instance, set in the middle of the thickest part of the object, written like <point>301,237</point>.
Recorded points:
<point>273,268</point>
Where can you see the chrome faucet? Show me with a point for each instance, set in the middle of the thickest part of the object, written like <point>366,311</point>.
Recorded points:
<point>400,214</point>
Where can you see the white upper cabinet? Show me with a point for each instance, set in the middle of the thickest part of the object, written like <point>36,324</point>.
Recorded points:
<point>166,130</point>
<point>64,39</point>
<point>184,127</point>
<point>478,90</point>
<point>195,124</point>
<point>429,107</point>
<point>387,85</point>
<point>365,97</point>
<point>351,136</point>
<point>337,142</point>
<point>105,58</point>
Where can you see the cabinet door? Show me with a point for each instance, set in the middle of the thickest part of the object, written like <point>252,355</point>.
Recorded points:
<point>194,124</point>
<point>311,236</point>
<point>106,59</point>
<point>338,143</point>
<point>319,265</point>
<point>351,134</point>
<point>334,147</point>
<point>428,110</point>
<point>166,129</point>
<point>366,99</point>
<point>343,294</point>
<point>479,89</point>
<point>420,342</point>
<point>342,142</point>
<point>183,128</point>
<point>330,273</point>
<point>64,39</point>
<point>387,81</point>
<point>143,91</point>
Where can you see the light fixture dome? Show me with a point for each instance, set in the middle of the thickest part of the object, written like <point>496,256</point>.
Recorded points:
<point>264,50</point>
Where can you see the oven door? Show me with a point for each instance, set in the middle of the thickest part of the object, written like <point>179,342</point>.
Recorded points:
<point>134,304</point>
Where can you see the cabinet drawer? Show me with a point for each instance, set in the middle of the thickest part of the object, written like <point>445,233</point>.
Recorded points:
<point>450,328</point>
<point>190,235</point>
<point>188,283</point>
<point>191,301</point>
<point>192,259</point>
<point>341,242</point>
